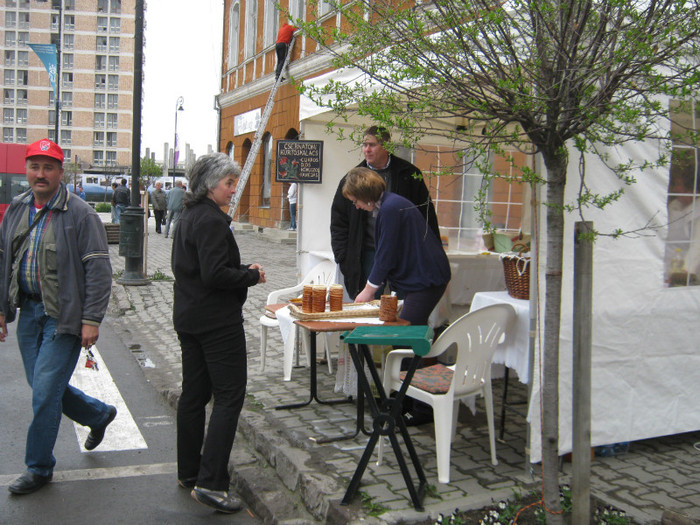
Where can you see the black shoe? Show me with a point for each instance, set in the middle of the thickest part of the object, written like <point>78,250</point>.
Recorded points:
<point>28,483</point>
<point>187,483</point>
<point>97,434</point>
<point>219,500</point>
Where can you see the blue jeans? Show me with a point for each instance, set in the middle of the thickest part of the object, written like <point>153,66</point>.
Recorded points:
<point>293,215</point>
<point>121,208</point>
<point>49,360</point>
<point>173,217</point>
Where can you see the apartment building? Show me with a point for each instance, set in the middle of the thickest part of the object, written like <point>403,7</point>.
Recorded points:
<point>95,41</point>
<point>248,66</point>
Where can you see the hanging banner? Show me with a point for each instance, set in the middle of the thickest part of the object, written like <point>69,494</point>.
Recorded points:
<point>47,54</point>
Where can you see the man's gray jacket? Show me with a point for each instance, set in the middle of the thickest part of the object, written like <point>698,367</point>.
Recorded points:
<point>77,277</point>
<point>175,196</point>
<point>159,200</point>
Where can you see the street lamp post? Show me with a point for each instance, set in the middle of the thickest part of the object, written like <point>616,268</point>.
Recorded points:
<point>176,151</point>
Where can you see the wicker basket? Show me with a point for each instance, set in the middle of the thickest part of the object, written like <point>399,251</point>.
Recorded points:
<point>516,269</point>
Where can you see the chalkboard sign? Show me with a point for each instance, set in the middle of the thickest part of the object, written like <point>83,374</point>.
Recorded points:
<point>299,161</point>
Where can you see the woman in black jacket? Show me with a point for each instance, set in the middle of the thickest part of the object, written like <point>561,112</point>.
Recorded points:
<point>211,286</point>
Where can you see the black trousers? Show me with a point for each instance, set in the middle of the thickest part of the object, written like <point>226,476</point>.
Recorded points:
<point>281,50</point>
<point>159,215</point>
<point>213,364</point>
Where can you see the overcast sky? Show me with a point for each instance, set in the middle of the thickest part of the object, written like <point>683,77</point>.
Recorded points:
<point>183,58</point>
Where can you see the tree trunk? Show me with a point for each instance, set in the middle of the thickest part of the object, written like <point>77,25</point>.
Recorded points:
<point>556,182</point>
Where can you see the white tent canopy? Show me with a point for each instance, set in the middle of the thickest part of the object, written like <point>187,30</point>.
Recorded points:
<point>646,364</point>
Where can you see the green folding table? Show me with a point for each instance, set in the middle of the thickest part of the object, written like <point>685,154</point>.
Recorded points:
<point>387,414</point>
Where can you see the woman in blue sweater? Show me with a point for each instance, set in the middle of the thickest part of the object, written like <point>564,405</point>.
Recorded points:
<point>408,253</point>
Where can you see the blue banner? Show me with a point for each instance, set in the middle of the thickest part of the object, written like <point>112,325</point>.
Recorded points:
<point>47,54</point>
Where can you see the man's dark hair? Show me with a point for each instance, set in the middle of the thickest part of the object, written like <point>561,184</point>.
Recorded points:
<point>382,134</point>
<point>123,182</point>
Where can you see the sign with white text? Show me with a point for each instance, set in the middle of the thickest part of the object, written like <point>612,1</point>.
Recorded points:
<point>299,161</point>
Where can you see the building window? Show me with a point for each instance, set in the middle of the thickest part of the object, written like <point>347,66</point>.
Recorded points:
<point>54,22</point>
<point>101,44</point>
<point>10,19</point>
<point>114,44</point>
<point>99,120</point>
<point>114,63</point>
<point>21,97</point>
<point>9,77</point>
<point>98,138</point>
<point>67,99</point>
<point>296,9</point>
<point>102,24</point>
<point>102,6</point>
<point>100,100</point>
<point>115,25</point>
<point>52,118</point>
<point>112,120</point>
<point>234,21</point>
<point>100,63</point>
<point>251,24</point>
<point>54,39</point>
<point>67,80</point>
<point>69,22</point>
<point>111,139</point>
<point>23,39</point>
<point>66,118</point>
<point>24,20</point>
<point>68,41</point>
<point>8,134</point>
<point>21,116</point>
<point>22,58</point>
<point>10,39</point>
<point>22,77</point>
<point>112,101</point>
<point>113,83</point>
<point>98,158</point>
<point>682,253</point>
<point>116,6</point>
<point>9,96</point>
<point>66,137</point>
<point>324,7</point>
<point>100,82</point>
<point>265,191</point>
<point>9,57</point>
<point>21,135</point>
<point>272,16</point>
<point>8,116</point>
<point>69,5</point>
<point>67,61</point>
<point>111,158</point>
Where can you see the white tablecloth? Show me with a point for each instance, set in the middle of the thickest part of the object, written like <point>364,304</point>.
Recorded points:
<point>515,350</point>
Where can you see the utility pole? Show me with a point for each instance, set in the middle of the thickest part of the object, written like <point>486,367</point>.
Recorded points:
<point>131,231</point>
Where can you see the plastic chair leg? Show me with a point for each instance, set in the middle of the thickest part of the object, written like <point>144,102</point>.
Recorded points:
<point>263,346</point>
<point>488,402</point>
<point>443,440</point>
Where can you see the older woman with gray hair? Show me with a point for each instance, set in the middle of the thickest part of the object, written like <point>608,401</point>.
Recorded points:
<point>211,286</point>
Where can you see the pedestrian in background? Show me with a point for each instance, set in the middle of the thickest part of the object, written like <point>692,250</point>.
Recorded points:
<point>79,192</point>
<point>175,198</point>
<point>122,199</point>
<point>54,264</point>
<point>114,204</point>
<point>292,196</point>
<point>210,288</point>
<point>160,204</point>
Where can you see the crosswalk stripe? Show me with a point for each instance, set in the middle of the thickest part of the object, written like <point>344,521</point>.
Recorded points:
<point>129,471</point>
<point>122,433</point>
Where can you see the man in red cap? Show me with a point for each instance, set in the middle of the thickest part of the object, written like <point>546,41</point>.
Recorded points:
<point>54,267</point>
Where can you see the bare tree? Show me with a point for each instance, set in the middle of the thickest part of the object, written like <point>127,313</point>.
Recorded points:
<point>541,75</point>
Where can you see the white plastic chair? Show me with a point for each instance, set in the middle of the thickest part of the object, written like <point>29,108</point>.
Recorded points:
<point>323,273</point>
<point>476,335</point>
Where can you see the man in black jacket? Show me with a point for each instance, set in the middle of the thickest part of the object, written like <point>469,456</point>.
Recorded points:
<point>352,229</point>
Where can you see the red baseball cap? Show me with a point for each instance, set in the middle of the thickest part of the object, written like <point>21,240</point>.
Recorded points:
<point>45,148</point>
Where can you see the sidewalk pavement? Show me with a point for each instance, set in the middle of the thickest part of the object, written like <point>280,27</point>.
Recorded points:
<point>286,478</point>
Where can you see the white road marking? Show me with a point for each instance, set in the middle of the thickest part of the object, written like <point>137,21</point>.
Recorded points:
<point>122,433</point>
<point>104,473</point>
